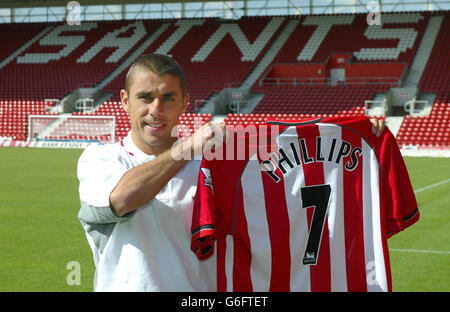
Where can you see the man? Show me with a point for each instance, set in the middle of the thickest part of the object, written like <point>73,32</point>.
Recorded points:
<point>136,198</point>
<point>137,195</point>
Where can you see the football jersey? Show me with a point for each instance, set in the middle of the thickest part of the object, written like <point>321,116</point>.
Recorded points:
<point>302,206</point>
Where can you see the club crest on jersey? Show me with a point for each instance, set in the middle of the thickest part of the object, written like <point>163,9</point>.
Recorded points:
<point>207,181</point>
<point>297,154</point>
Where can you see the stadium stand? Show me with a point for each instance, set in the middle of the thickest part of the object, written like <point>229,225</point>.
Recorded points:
<point>211,45</point>
<point>350,33</point>
<point>436,76</point>
<point>14,117</point>
<point>339,34</point>
<point>321,99</point>
<point>427,131</point>
<point>67,57</point>
<point>12,41</point>
<point>216,54</point>
<point>432,131</point>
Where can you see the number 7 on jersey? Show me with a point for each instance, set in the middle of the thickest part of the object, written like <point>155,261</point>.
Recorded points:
<point>316,197</point>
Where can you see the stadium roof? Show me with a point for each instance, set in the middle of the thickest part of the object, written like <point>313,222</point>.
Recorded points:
<point>48,3</point>
<point>51,3</point>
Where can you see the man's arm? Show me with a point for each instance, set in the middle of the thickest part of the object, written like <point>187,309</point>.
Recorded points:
<point>141,184</point>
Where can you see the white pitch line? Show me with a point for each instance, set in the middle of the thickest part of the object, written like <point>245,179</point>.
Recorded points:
<point>421,251</point>
<point>431,186</point>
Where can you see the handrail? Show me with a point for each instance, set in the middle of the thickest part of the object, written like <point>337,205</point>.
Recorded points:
<point>382,104</point>
<point>296,81</point>
<point>410,106</point>
<point>81,104</point>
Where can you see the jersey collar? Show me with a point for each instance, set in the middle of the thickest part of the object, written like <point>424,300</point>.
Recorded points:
<point>134,151</point>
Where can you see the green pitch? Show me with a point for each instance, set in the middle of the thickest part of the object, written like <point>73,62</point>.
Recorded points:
<point>39,232</point>
<point>43,246</point>
<point>420,255</point>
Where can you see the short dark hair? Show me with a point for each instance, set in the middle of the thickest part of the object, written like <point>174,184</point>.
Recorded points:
<point>160,64</point>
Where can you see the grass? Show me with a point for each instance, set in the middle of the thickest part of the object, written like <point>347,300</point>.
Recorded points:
<point>40,232</point>
<point>425,271</point>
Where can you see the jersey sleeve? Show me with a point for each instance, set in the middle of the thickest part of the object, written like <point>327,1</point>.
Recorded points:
<point>399,202</point>
<point>203,227</point>
<point>99,170</point>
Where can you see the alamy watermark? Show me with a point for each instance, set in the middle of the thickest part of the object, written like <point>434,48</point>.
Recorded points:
<point>374,16</point>
<point>73,278</point>
<point>73,13</point>
<point>371,272</point>
<point>241,141</point>
<point>260,142</point>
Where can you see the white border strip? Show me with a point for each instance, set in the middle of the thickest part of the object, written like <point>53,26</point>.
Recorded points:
<point>45,144</point>
<point>425,153</point>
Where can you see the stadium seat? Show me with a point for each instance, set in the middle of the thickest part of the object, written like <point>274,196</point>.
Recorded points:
<point>427,131</point>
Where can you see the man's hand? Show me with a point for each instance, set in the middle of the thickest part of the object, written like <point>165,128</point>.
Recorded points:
<point>202,140</point>
<point>377,126</point>
<point>207,136</point>
<point>142,183</point>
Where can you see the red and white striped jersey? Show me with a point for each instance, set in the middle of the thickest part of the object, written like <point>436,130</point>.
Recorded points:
<point>309,207</point>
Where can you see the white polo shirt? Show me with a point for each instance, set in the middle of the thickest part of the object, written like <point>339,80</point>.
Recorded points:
<point>149,249</point>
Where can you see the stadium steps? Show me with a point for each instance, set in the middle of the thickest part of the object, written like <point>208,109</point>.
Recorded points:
<point>423,52</point>
<point>377,109</point>
<point>394,123</point>
<point>255,98</point>
<point>380,96</point>
<point>429,97</point>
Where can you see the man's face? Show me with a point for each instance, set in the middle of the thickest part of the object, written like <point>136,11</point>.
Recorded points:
<point>155,104</point>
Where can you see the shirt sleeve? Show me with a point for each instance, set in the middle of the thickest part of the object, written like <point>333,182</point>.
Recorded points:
<point>399,201</point>
<point>99,171</point>
<point>203,228</point>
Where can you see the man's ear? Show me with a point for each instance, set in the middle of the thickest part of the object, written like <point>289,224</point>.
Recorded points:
<point>124,100</point>
<point>185,103</point>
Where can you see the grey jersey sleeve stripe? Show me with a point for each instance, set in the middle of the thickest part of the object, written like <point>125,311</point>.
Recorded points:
<point>100,215</point>
<point>99,223</point>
